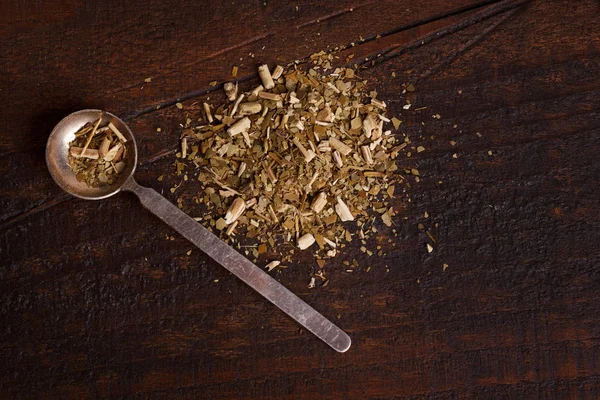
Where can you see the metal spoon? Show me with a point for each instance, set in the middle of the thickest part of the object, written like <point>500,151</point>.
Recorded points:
<point>57,151</point>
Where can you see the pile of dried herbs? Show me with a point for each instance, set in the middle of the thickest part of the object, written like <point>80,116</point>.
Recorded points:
<point>305,161</point>
<point>97,154</point>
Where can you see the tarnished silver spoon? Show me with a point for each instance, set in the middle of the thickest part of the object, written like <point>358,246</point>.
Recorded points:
<point>57,151</point>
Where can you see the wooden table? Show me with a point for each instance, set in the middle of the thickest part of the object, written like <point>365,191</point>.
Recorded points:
<point>97,300</point>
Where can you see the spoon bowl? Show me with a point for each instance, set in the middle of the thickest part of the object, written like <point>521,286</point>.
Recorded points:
<point>57,154</point>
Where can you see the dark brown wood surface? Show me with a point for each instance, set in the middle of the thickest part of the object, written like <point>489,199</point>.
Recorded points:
<point>96,303</point>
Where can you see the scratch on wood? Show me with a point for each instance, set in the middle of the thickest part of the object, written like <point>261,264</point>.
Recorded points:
<point>160,155</point>
<point>209,57</point>
<point>427,20</point>
<point>487,13</point>
<point>333,15</point>
<point>60,198</point>
<point>461,50</point>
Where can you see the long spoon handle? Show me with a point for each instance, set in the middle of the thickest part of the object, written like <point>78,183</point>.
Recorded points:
<point>241,267</point>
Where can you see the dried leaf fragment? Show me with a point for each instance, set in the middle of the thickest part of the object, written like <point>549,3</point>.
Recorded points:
<point>220,224</point>
<point>120,167</point>
<point>370,124</point>
<point>112,152</point>
<point>387,220</point>
<point>325,115</point>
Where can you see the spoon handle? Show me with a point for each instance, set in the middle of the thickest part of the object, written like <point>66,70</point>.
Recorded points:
<point>241,267</point>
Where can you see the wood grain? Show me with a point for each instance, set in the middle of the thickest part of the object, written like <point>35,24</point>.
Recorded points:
<point>96,302</point>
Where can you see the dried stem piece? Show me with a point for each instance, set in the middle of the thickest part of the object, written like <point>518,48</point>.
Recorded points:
<point>92,133</point>
<point>340,146</point>
<point>277,72</point>
<point>241,169</point>
<point>273,214</point>
<point>249,108</point>
<point>240,126</point>
<point>306,241</point>
<point>319,202</point>
<point>89,153</point>
<point>272,265</point>
<point>184,148</point>
<point>236,209</point>
<point>269,172</point>
<point>265,76</point>
<point>113,128</point>
<point>343,211</point>
<point>231,228</point>
<point>378,103</point>
<point>308,154</point>
<point>257,90</point>
<point>366,153</point>
<point>104,146</point>
<point>269,96</point>
<point>308,186</point>
<point>337,157</point>
<point>209,116</point>
<point>230,90</point>
<point>236,104</point>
